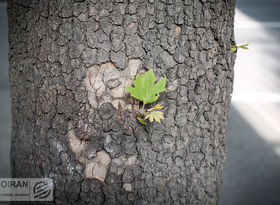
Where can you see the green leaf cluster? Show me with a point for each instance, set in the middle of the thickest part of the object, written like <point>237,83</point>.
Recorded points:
<point>145,88</point>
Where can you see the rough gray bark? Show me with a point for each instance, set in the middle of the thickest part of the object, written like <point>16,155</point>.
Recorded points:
<point>74,122</point>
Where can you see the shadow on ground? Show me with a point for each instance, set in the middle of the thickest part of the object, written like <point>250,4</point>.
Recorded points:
<point>252,173</point>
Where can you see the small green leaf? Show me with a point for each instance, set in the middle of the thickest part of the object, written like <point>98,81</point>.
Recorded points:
<point>233,49</point>
<point>244,47</point>
<point>141,120</point>
<point>154,116</point>
<point>144,88</point>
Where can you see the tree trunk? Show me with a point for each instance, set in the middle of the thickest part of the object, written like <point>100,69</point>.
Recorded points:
<point>73,121</point>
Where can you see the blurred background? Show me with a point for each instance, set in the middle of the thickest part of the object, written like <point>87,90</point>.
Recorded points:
<point>252,173</point>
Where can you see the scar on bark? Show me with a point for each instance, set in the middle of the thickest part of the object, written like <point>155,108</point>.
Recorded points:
<point>95,168</point>
<point>105,83</point>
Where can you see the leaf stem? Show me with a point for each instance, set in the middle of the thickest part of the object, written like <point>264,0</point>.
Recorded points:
<point>143,108</point>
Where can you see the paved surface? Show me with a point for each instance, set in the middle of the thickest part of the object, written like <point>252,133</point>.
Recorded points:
<point>252,174</point>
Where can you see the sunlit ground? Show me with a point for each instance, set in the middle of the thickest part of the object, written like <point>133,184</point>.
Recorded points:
<point>252,174</point>
<point>256,94</point>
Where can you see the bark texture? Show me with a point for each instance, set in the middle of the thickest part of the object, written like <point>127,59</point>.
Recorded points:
<point>74,122</point>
